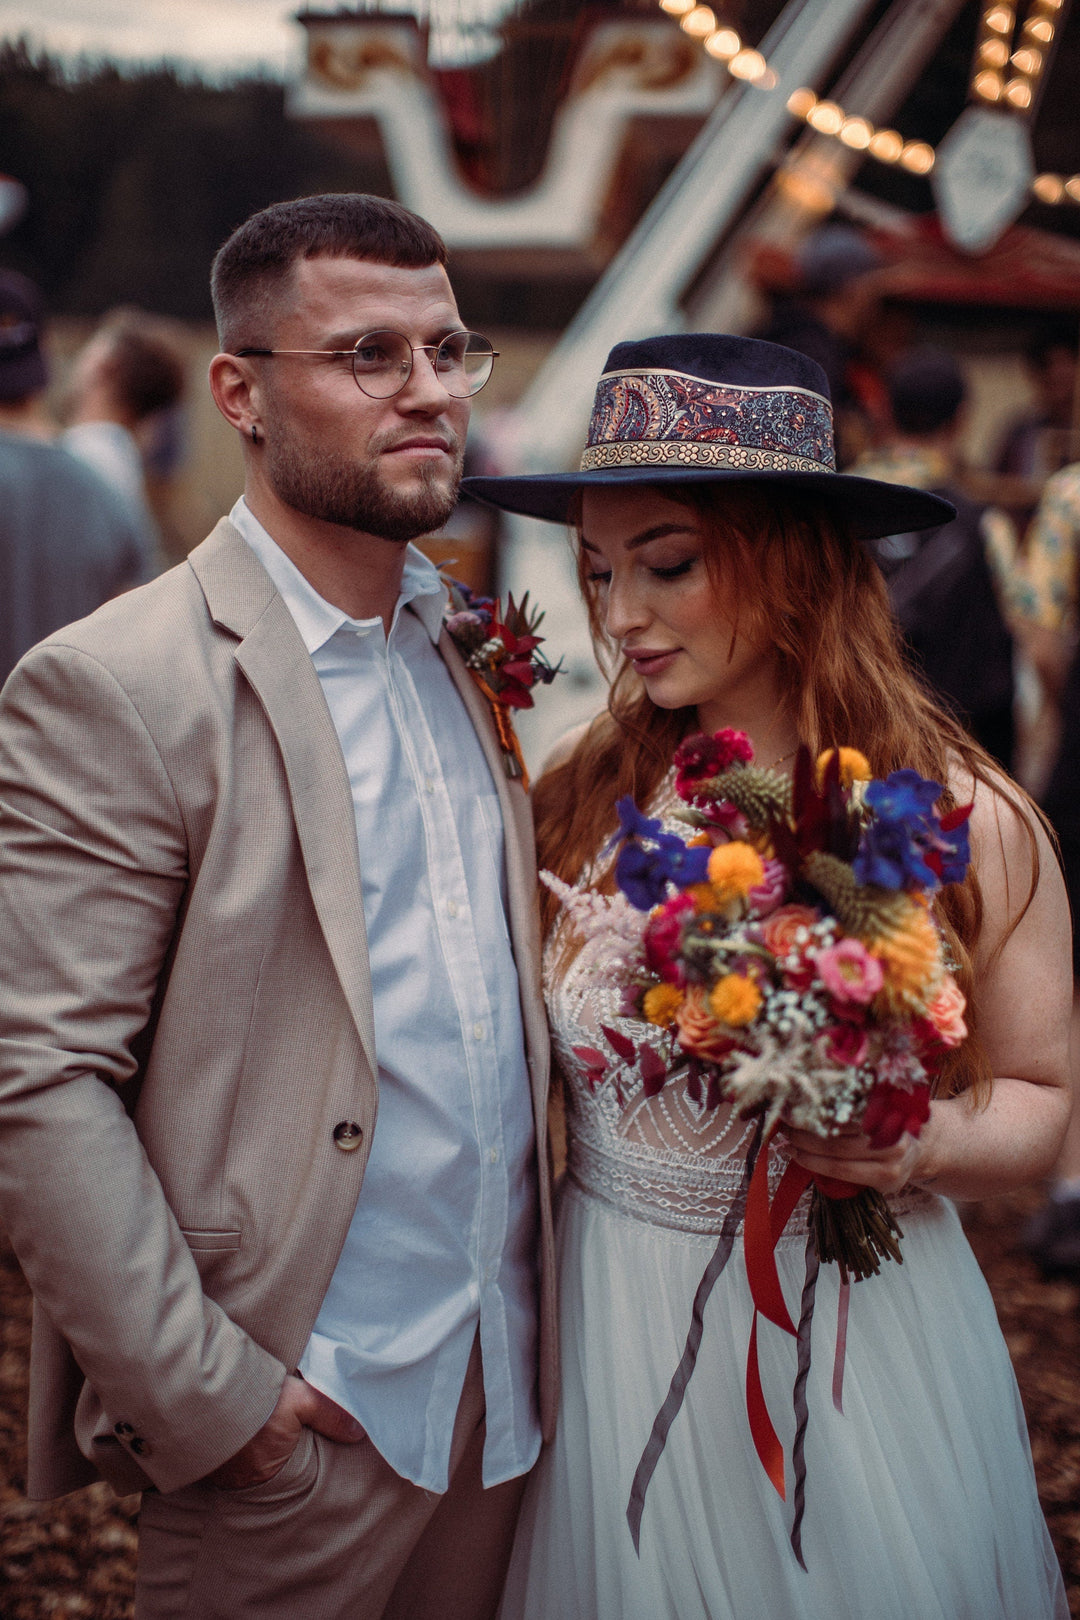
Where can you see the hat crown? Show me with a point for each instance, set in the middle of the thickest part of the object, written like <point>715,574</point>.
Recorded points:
<point>705,399</point>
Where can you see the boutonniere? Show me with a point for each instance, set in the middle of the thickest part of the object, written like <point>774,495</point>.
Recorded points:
<point>502,655</point>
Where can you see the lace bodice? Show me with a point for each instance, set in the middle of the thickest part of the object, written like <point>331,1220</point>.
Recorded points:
<point>664,1159</point>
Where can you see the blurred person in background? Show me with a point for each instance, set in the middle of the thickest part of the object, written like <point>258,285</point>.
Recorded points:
<point>942,582</point>
<point>826,317</point>
<point>1029,446</point>
<point>68,542</point>
<point>131,370</point>
<point>1052,550</point>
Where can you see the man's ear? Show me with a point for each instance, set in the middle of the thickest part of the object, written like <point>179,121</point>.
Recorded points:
<point>233,386</point>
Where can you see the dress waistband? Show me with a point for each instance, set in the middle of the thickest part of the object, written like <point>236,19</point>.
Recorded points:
<point>668,1190</point>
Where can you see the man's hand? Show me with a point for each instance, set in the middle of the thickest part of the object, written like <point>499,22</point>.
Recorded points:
<point>299,1406</point>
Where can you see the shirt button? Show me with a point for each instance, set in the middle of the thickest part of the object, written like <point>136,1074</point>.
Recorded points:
<point>348,1135</point>
<point>451,908</point>
<point>429,785</point>
<point>494,1155</point>
<point>478,1032</point>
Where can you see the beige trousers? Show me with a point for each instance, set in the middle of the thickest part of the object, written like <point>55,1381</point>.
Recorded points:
<point>335,1535</point>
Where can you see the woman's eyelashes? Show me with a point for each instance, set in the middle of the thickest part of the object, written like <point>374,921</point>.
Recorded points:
<point>598,576</point>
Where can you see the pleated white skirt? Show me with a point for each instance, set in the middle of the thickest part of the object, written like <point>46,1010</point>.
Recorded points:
<point>920,1499</point>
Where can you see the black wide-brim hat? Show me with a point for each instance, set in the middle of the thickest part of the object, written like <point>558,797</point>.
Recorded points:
<point>705,407</point>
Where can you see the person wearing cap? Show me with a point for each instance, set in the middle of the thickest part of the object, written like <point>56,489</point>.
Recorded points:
<point>724,564</point>
<point>67,542</point>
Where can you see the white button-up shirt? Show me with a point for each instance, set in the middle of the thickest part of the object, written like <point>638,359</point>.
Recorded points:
<point>444,1233</point>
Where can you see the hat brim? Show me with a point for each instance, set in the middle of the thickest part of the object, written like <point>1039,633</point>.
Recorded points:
<point>869,507</point>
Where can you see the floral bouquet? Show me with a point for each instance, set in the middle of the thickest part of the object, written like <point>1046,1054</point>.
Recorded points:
<point>792,956</point>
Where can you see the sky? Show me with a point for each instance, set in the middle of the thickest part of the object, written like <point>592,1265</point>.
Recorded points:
<point>218,36</point>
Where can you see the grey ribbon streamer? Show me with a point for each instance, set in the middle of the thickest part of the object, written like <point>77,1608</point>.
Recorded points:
<point>673,1403</point>
<point>802,1410</point>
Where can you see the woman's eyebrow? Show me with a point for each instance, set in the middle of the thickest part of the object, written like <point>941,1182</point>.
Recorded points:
<point>657,532</point>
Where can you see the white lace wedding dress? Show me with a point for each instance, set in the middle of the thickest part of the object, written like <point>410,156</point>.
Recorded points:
<point>920,1496</point>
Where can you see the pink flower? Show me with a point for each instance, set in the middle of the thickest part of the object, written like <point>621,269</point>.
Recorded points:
<point>663,935</point>
<point>772,891</point>
<point>849,972</point>
<point>946,1013</point>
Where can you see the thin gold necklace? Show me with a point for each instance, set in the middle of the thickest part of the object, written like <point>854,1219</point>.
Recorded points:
<point>783,759</point>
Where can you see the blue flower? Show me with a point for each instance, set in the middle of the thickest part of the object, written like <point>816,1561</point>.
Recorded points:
<point>955,850</point>
<point>645,873</point>
<point>903,828</point>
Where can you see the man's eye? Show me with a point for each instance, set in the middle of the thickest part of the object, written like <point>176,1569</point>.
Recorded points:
<point>598,578</point>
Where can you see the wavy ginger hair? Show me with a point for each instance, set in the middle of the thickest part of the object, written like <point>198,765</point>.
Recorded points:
<point>787,574</point>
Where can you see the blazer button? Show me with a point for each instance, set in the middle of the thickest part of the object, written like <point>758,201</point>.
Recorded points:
<point>348,1135</point>
<point>140,1447</point>
<point>123,1429</point>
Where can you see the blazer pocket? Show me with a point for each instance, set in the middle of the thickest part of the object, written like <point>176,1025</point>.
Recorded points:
<point>197,1241</point>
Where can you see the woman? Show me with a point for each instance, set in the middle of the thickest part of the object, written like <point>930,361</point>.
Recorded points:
<point>721,560</point>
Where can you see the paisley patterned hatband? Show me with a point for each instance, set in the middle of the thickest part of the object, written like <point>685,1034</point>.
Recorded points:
<point>665,453</point>
<point>669,418</point>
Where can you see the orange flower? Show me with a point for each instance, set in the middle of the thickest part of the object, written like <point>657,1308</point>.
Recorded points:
<point>779,930</point>
<point>854,767</point>
<point>911,958</point>
<point>699,1032</point>
<point>661,1003</point>
<point>735,1000</point>
<point>946,1012</point>
<point>734,869</point>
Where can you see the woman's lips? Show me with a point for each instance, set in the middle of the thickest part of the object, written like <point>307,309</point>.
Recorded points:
<point>649,661</point>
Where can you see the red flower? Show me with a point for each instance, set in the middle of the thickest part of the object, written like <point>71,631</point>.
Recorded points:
<point>845,1043</point>
<point>890,1111</point>
<point>701,756</point>
<point>663,935</point>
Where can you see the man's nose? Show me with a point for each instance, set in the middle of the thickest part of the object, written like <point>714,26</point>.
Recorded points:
<point>425,390</point>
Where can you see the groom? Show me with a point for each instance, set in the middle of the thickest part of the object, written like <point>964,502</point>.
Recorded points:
<point>273,1063</point>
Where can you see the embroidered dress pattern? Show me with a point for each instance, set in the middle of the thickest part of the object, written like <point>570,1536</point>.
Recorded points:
<point>669,418</point>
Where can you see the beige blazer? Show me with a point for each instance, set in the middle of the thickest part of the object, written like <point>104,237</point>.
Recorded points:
<point>185,1017</point>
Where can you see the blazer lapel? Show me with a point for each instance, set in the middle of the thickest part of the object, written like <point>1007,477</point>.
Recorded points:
<point>521,879</point>
<point>241,598</point>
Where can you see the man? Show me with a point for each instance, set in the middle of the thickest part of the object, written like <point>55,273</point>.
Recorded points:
<point>941,583</point>
<point>314,1335</point>
<point>67,542</point>
<point>129,371</point>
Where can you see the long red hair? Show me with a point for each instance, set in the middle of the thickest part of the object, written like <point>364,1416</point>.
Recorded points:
<point>790,577</point>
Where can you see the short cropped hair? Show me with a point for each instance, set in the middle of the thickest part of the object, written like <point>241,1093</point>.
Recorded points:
<point>252,265</point>
<point>145,359</point>
<point>926,390</point>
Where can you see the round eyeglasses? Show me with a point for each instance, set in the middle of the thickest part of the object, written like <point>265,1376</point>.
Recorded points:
<point>382,362</point>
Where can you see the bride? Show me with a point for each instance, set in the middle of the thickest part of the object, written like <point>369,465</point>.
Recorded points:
<point>721,561</point>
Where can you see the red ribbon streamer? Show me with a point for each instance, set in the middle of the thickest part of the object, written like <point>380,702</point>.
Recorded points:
<point>761,1233</point>
<point>840,1358</point>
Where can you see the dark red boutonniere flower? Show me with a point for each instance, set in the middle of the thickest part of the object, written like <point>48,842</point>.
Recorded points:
<point>502,657</point>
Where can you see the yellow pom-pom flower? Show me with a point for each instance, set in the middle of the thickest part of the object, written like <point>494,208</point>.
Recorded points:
<point>735,869</point>
<point>661,1003</point>
<point>854,767</point>
<point>735,1000</point>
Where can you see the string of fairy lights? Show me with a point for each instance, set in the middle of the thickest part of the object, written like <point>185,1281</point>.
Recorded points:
<point>1010,58</point>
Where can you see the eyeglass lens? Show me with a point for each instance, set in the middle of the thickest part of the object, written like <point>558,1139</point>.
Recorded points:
<point>382,363</point>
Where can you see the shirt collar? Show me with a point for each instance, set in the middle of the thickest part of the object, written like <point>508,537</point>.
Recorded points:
<point>316,618</point>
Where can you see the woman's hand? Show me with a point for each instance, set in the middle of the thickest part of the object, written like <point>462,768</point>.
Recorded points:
<point>848,1156</point>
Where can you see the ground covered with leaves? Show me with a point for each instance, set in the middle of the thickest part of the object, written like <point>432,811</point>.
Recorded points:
<point>76,1557</point>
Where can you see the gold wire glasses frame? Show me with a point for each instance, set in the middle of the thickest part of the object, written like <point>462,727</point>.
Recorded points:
<point>382,362</point>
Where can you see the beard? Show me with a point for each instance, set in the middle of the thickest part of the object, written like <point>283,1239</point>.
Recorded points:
<point>355,495</point>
